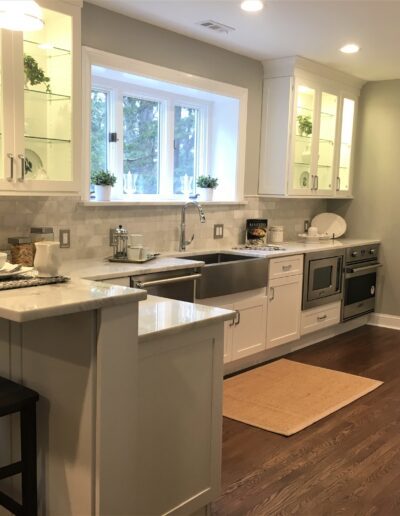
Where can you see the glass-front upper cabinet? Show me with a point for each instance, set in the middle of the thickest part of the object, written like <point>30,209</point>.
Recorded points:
<point>302,173</point>
<point>40,114</point>
<point>343,179</point>
<point>326,143</point>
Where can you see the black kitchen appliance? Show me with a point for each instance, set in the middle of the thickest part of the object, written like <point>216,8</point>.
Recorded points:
<point>360,274</point>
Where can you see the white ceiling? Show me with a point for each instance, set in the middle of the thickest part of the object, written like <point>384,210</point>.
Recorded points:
<point>314,29</point>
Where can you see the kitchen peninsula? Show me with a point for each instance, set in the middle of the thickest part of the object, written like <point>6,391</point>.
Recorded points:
<point>77,345</point>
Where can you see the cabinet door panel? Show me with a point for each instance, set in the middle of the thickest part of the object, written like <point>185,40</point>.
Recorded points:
<point>250,328</point>
<point>284,308</point>
<point>228,336</point>
<point>326,143</point>
<point>343,184</point>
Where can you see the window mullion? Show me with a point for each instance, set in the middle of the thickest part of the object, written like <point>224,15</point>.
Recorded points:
<point>167,156</point>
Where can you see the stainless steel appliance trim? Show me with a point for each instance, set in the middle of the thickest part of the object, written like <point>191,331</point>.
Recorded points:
<point>358,309</point>
<point>166,281</point>
<point>360,271</point>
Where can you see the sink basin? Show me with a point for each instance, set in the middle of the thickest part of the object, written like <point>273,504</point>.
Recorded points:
<point>225,273</point>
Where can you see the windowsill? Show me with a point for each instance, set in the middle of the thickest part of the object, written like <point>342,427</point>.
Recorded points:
<point>116,203</point>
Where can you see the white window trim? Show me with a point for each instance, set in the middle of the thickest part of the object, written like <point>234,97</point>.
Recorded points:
<point>92,56</point>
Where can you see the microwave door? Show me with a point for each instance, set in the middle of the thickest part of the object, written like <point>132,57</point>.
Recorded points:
<point>323,278</point>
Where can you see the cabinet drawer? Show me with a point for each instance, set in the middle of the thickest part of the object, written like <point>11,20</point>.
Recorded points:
<point>285,266</point>
<point>318,318</point>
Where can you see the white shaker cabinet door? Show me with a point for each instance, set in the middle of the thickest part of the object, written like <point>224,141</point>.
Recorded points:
<point>284,309</point>
<point>249,329</point>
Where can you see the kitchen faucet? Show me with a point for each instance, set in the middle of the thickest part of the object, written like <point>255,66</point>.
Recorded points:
<point>182,240</point>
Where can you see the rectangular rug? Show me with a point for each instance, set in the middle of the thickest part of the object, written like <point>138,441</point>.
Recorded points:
<point>285,396</point>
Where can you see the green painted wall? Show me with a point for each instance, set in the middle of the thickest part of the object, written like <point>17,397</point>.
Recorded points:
<point>375,210</point>
<point>112,32</point>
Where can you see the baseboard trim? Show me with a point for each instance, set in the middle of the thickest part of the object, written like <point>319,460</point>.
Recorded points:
<point>385,321</point>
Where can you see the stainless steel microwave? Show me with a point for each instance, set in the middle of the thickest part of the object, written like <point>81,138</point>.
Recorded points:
<point>323,278</point>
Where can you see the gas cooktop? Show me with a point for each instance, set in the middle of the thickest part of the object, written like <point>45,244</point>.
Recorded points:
<point>248,247</point>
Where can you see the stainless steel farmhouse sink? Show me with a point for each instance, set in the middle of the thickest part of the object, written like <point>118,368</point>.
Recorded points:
<point>225,273</point>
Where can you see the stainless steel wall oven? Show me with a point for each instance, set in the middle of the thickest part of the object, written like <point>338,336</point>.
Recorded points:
<point>323,273</point>
<point>360,275</point>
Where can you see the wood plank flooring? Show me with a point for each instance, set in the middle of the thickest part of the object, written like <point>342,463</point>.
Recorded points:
<point>346,464</point>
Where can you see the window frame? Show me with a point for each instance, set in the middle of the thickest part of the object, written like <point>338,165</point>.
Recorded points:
<point>207,87</point>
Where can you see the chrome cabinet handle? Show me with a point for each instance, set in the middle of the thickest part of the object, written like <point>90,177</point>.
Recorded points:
<point>338,184</point>
<point>317,182</point>
<point>286,267</point>
<point>22,158</point>
<point>312,182</point>
<point>238,318</point>
<point>272,289</point>
<point>322,317</point>
<point>11,176</point>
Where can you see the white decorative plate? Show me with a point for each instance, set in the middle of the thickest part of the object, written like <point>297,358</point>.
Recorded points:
<point>330,224</point>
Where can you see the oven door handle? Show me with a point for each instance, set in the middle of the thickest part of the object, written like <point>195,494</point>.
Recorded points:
<point>361,270</point>
<point>166,281</point>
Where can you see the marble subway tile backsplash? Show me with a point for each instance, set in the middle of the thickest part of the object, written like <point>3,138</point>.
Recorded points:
<point>159,224</point>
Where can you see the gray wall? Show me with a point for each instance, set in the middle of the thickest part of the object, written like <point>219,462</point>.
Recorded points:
<point>375,210</point>
<point>112,32</point>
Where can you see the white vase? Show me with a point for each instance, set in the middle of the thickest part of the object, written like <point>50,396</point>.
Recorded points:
<point>103,193</point>
<point>206,194</point>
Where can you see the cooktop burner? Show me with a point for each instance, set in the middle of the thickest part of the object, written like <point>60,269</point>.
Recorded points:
<point>259,248</point>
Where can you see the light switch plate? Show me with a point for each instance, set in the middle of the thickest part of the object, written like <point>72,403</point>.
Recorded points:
<point>218,231</point>
<point>65,238</point>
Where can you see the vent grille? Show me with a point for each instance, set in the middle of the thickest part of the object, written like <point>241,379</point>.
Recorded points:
<point>216,26</point>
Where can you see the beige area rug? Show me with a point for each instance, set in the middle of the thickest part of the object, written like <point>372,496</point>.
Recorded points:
<point>285,396</point>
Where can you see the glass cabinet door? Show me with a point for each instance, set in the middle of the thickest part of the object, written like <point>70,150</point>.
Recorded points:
<point>47,99</point>
<point>326,143</point>
<point>304,111</point>
<point>343,178</point>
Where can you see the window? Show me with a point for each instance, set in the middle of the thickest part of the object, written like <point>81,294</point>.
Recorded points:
<point>158,135</point>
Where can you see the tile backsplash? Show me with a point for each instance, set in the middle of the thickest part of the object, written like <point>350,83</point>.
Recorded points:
<point>159,224</point>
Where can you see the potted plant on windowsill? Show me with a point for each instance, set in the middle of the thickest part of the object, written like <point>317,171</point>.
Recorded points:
<point>103,181</point>
<point>206,186</point>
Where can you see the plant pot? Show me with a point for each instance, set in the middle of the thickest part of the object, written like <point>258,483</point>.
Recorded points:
<point>206,194</point>
<point>103,193</point>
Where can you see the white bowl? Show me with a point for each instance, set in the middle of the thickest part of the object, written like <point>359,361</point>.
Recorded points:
<point>3,259</point>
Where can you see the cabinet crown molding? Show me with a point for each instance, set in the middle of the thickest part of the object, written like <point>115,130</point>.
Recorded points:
<point>289,66</point>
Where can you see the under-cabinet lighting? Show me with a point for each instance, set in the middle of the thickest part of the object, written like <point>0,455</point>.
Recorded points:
<point>252,6</point>
<point>350,48</point>
<point>20,15</point>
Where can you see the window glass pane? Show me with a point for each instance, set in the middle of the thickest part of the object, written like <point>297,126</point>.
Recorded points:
<point>185,149</point>
<point>141,145</point>
<point>99,132</point>
<point>303,138</point>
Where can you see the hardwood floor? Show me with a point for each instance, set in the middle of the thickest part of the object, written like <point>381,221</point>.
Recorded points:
<point>346,464</point>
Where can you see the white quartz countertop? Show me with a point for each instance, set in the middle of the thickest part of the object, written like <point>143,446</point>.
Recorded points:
<point>28,304</point>
<point>161,316</point>
<point>98,269</point>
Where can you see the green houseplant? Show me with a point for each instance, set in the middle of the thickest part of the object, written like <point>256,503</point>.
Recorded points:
<point>103,181</point>
<point>34,75</point>
<point>206,186</point>
<point>305,125</point>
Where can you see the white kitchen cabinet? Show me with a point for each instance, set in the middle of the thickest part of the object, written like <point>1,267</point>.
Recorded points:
<point>284,303</point>
<point>40,122</point>
<point>246,334</point>
<point>320,317</point>
<point>308,130</point>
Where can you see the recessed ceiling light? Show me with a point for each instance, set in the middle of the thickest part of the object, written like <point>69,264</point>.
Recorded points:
<point>350,48</point>
<point>252,6</point>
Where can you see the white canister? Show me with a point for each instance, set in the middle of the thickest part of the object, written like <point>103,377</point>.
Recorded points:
<point>276,234</point>
<point>47,259</point>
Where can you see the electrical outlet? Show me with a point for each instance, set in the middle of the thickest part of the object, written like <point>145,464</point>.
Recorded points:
<point>65,238</point>
<point>218,231</point>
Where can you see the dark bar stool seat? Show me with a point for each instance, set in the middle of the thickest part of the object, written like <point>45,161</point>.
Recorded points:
<point>17,398</point>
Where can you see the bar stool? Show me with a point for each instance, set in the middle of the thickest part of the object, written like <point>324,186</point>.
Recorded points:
<point>17,398</point>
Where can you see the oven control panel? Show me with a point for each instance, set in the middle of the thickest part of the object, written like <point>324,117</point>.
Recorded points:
<point>364,253</point>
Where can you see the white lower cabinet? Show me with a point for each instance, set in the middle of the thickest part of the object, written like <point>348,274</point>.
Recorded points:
<point>320,317</point>
<point>284,306</point>
<point>246,334</point>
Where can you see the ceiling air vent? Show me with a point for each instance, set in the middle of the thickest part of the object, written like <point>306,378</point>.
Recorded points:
<point>216,26</point>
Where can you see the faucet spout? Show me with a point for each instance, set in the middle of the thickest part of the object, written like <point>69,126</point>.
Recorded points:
<point>182,240</point>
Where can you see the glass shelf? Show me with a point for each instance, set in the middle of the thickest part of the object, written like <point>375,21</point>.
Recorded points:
<point>307,139</point>
<point>46,96</point>
<point>323,113</point>
<point>50,51</point>
<point>301,164</point>
<point>47,140</point>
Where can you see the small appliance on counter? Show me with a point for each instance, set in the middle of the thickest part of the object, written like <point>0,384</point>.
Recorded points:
<point>256,232</point>
<point>360,275</point>
<point>119,242</point>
